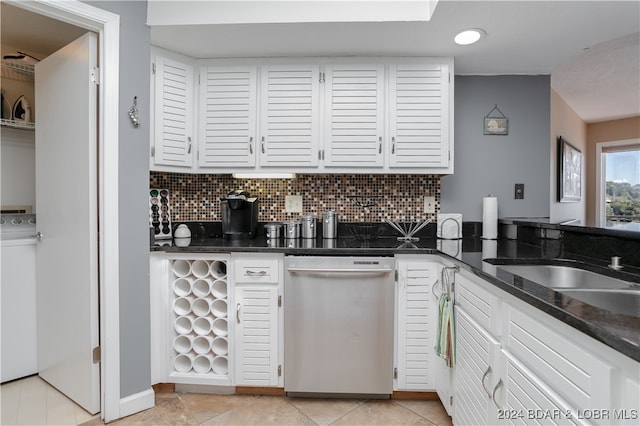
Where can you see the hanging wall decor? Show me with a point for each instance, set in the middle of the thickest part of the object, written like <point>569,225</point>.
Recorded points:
<point>495,124</point>
<point>569,172</point>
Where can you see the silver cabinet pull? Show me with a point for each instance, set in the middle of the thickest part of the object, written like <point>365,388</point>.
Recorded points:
<point>393,144</point>
<point>255,273</point>
<point>39,236</point>
<point>238,313</point>
<point>251,145</point>
<point>379,144</point>
<point>189,148</point>
<point>484,376</point>
<point>493,395</point>
<point>262,144</point>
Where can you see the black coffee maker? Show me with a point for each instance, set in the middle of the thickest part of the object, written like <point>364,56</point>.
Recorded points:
<point>239,216</point>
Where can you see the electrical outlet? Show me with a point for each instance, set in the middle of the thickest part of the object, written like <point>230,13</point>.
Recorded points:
<point>429,204</point>
<point>293,204</point>
<point>519,191</point>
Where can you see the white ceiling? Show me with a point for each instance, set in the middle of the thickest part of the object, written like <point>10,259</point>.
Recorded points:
<point>590,48</point>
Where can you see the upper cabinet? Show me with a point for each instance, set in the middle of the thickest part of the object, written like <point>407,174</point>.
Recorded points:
<point>227,124</point>
<point>289,116</point>
<point>419,115</point>
<point>354,118</point>
<point>172,140</point>
<point>311,115</point>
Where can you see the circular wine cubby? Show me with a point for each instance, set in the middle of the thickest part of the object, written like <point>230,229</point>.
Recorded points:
<point>199,304</point>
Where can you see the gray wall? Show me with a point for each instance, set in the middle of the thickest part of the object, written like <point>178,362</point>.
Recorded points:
<point>135,369</point>
<point>494,164</point>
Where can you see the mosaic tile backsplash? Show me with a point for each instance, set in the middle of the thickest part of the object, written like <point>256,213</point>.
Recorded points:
<point>356,198</point>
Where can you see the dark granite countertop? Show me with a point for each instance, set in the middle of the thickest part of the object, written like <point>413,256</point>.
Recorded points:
<point>621,332</point>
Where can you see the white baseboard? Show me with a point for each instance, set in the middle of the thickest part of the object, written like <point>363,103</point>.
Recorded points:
<point>137,402</point>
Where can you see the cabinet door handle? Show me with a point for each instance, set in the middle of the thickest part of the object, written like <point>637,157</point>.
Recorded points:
<point>251,145</point>
<point>189,147</point>
<point>484,376</point>
<point>493,394</point>
<point>238,313</point>
<point>250,273</point>
<point>393,144</point>
<point>262,144</point>
<point>379,144</point>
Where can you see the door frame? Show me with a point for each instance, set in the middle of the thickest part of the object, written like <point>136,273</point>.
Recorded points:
<point>107,25</point>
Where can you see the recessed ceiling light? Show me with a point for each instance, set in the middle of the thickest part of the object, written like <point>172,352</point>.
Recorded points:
<point>469,36</point>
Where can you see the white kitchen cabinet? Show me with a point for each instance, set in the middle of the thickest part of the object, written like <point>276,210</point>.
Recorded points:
<point>228,114</point>
<point>354,115</point>
<point>173,143</point>
<point>416,323</point>
<point>258,319</point>
<point>419,108</point>
<point>192,337</point>
<point>290,115</point>
<point>477,353</point>
<point>541,370</point>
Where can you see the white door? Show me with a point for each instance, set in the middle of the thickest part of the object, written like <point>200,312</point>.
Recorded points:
<point>66,196</point>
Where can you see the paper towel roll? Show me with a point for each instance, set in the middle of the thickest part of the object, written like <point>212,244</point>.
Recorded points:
<point>490,218</point>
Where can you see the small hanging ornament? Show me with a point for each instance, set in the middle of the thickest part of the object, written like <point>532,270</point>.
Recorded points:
<point>496,124</point>
<point>133,112</point>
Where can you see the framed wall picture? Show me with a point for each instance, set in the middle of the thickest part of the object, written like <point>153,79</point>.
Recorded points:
<point>569,172</point>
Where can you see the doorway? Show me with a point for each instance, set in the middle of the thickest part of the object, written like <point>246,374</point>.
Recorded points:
<point>106,25</point>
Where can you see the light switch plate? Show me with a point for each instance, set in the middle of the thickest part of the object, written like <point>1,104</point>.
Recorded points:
<point>293,204</point>
<point>429,204</point>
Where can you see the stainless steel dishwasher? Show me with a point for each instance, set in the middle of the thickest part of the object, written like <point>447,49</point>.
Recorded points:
<point>338,326</point>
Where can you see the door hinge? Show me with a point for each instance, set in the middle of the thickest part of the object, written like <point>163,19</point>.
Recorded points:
<point>279,370</point>
<point>153,151</point>
<point>279,301</point>
<point>97,355</point>
<point>95,75</point>
<point>395,373</point>
<point>396,275</point>
<point>321,80</point>
<point>451,401</point>
<point>153,68</point>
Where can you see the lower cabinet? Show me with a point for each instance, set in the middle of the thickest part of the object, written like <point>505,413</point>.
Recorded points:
<point>516,364</point>
<point>258,319</point>
<point>416,363</point>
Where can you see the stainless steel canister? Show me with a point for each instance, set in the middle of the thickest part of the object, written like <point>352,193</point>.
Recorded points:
<point>292,229</point>
<point>273,230</point>
<point>308,226</point>
<point>329,224</point>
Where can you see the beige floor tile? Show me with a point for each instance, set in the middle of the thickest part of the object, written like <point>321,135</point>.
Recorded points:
<point>430,410</point>
<point>386,413</point>
<point>174,412</point>
<point>263,411</point>
<point>32,409</point>
<point>150,417</point>
<point>9,402</point>
<point>206,406</point>
<point>324,411</point>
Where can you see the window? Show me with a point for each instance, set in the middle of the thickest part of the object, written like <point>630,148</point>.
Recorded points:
<point>619,185</point>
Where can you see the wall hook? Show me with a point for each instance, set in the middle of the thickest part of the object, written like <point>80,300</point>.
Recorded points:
<point>133,112</point>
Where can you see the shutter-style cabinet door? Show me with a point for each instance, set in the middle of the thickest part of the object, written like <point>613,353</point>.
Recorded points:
<point>416,325</point>
<point>419,115</point>
<point>173,128</point>
<point>354,115</point>
<point>228,101</point>
<point>289,127</point>
<point>256,335</point>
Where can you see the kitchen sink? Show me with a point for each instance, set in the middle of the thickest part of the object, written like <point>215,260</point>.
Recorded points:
<point>619,301</point>
<point>565,277</point>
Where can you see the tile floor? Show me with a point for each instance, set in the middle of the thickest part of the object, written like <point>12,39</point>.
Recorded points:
<point>32,401</point>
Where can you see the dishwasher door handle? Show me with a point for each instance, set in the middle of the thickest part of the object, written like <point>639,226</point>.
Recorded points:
<point>339,271</point>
